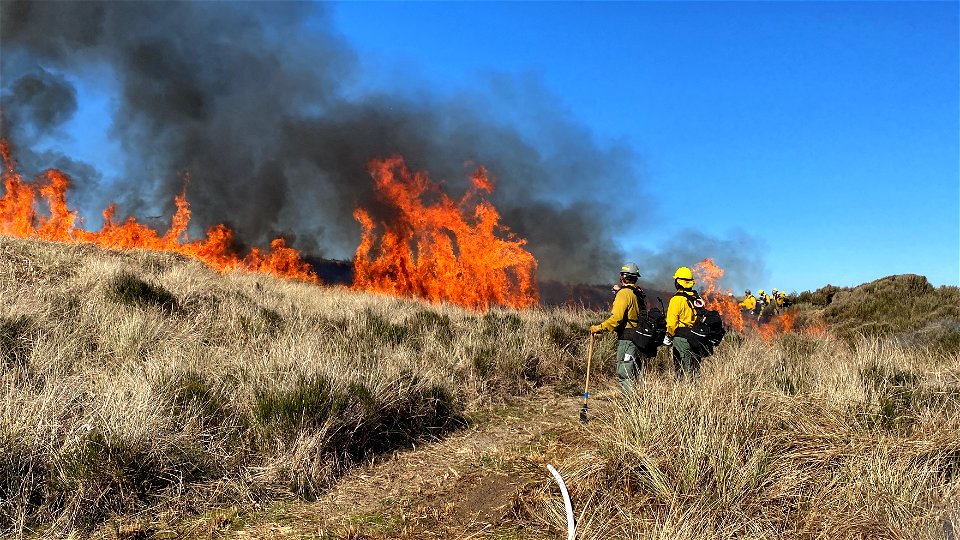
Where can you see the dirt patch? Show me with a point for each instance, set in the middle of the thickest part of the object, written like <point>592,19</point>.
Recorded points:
<point>466,485</point>
<point>487,498</point>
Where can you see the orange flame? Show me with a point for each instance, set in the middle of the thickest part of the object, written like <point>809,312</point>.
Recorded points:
<point>818,329</point>
<point>19,217</point>
<point>442,250</point>
<point>778,325</point>
<point>708,274</point>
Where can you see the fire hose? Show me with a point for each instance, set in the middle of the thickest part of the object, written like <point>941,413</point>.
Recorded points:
<point>571,528</point>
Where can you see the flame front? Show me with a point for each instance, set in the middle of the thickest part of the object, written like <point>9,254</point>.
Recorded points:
<point>441,250</point>
<point>708,274</point>
<point>19,217</point>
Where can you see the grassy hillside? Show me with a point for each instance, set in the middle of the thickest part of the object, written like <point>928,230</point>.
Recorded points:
<point>799,438</point>
<point>906,307</point>
<point>132,379</point>
<point>140,382</point>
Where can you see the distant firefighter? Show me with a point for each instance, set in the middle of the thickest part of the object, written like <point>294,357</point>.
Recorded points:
<point>763,300</point>
<point>749,304</point>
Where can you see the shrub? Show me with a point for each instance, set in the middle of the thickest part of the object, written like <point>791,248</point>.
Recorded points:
<point>101,474</point>
<point>894,391</point>
<point>359,421</point>
<point>425,409</point>
<point>22,475</point>
<point>190,391</point>
<point>483,358</point>
<point>820,297</point>
<point>904,306</point>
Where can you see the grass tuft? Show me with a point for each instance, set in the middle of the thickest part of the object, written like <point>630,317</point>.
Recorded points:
<point>15,340</point>
<point>128,289</point>
<point>307,404</point>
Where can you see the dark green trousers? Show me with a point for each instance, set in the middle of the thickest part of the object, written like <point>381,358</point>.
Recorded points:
<point>628,364</point>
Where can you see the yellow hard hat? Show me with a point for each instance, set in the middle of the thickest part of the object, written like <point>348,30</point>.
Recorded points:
<point>760,291</point>
<point>683,273</point>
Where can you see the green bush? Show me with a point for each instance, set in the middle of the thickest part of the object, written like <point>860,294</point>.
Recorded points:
<point>821,297</point>
<point>904,306</point>
<point>483,358</point>
<point>895,391</point>
<point>190,391</point>
<point>428,410</point>
<point>798,348</point>
<point>361,423</point>
<point>22,475</point>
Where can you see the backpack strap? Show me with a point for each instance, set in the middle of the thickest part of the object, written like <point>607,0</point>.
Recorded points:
<point>641,298</point>
<point>691,297</point>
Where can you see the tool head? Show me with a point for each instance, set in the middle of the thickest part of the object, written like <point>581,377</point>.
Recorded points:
<point>583,415</point>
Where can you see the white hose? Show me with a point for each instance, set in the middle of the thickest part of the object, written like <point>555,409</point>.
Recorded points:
<point>571,529</point>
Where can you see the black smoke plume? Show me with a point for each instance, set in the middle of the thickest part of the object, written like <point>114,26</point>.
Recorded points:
<point>253,100</point>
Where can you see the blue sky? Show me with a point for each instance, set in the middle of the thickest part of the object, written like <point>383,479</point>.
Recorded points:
<point>827,131</point>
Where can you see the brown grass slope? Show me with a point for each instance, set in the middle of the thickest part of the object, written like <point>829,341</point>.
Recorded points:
<point>138,382</point>
<point>132,379</point>
<point>848,437</point>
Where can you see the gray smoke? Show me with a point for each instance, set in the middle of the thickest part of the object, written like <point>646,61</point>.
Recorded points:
<point>253,104</point>
<point>740,256</point>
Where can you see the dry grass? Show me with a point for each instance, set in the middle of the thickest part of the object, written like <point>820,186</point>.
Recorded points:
<point>801,438</point>
<point>135,380</point>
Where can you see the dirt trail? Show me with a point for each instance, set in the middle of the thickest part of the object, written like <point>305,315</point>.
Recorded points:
<point>464,486</point>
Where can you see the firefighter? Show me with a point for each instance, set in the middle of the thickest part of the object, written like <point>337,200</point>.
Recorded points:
<point>762,301</point>
<point>749,304</point>
<point>680,315</point>
<point>625,313</point>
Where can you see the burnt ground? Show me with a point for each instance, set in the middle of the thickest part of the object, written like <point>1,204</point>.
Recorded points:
<point>467,485</point>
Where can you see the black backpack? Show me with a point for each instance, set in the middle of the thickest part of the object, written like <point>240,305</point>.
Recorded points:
<point>650,330</point>
<point>707,331</point>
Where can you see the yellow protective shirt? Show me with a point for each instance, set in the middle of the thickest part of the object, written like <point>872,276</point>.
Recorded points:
<point>749,303</point>
<point>679,314</point>
<point>624,303</point>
